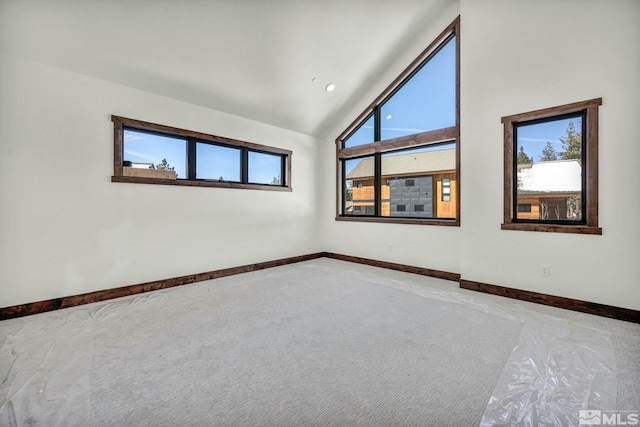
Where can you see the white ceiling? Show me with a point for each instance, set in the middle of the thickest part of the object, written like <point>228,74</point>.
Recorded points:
<point>252,58</point>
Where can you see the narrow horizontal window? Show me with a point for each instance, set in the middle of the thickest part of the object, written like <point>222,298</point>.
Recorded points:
<point>149,153</point>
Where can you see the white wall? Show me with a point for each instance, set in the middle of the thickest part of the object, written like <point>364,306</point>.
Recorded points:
<point>517,57</point>
<point>525,55</point>
<point>67,229</point>
<point>424,246</point>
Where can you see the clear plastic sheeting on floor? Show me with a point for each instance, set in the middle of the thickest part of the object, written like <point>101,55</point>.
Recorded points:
<point>556,370</point>
<point>59,368</point>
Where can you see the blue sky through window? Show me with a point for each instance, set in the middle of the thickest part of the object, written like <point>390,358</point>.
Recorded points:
<point>217,162</point>
<point>364,134</point>
<point>534,137</point>
<point>427,101</point>
<point>142,147</point>
<point>263,168</point>
<point>213,162</point>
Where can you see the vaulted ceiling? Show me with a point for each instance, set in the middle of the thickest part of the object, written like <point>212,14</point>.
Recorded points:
<point>253,58</point>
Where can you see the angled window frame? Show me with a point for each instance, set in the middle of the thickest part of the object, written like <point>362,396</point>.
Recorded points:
<point>430,138</point>
<point>120,124</point>
<point>589,223</point>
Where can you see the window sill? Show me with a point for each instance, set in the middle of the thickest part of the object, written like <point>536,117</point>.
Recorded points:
<point>188,183</point>
<point>553,228</point>
<point>444,222</point>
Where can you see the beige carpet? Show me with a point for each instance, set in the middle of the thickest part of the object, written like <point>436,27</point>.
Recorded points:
<point>317,343</point>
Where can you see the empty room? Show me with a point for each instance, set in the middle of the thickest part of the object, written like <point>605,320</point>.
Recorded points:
<point>319,213</point>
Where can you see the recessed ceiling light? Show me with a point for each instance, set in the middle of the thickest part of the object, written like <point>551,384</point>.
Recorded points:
<point>330,87</point>
<point>313,80</point>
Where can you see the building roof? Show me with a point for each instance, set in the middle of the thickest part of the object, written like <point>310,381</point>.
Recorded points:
<point>404,164</point>
<point>560,176</point>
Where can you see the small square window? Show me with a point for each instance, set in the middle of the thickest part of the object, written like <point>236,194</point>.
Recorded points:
<point>410,183</point>
<point>402,208</point>
<point>419,208</point>
<point>524,207</point>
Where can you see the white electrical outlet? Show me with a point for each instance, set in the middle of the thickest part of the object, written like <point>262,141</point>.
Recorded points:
<point>545,270</point>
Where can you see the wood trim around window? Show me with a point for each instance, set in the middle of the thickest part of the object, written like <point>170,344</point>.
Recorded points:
<point>119,123</point>
<point>590,107</point>
<point>424,139</point>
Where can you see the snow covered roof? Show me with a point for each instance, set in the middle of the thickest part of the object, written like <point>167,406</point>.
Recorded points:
<point>560,176</point>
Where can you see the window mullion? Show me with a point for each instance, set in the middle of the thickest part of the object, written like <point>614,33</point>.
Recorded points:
<point>377,132</point>
<point>191,159</point>
<point>377,181</point>
<point>244,166</point>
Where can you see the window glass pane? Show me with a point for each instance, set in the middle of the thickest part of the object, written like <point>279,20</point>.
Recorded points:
<point>358,197</point>
<point>549,170</point>
<point>217,162</point>
<point>412,178</point>
<point>265,168</point>
<point>150,151</point>
<point>425,102</point>
<point>363,135</point>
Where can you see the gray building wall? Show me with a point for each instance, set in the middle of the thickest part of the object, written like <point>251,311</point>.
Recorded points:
<point>419,194</point>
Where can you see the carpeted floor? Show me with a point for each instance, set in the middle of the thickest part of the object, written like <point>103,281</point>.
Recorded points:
<point>321,343</point>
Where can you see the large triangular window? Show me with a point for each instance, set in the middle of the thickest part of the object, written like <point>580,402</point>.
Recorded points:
<point>408,135</point>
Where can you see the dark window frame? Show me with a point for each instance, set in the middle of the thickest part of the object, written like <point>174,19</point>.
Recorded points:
<point>120,124</point>
<point>589,223</point>
<point>434,137</point>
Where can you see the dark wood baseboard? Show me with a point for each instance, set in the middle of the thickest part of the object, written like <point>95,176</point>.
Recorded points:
<point>618,313</point>
<point>399,267</point>
<point>91,297</point>
<point>72,301</point>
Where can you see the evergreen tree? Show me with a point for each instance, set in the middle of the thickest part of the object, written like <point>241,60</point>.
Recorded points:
<point>165,166</point>
<point>571,143</point>
<point>548,153</point>
<point>523,158</point>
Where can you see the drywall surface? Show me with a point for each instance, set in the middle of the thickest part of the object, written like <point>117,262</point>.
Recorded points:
<point>523,56</point>
<point>435,247</point>
<point>67,229</point>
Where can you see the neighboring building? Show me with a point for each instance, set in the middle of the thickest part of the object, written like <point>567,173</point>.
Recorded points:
<point>413,185</point>
<point>142,165</point>
<point>550,190</point>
